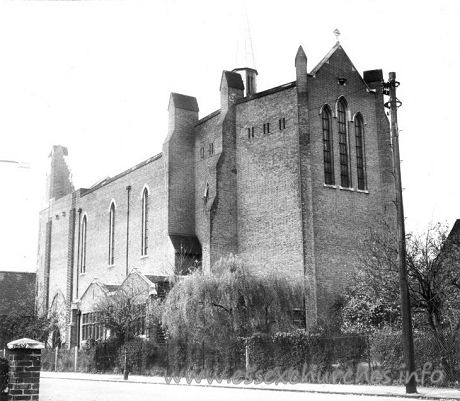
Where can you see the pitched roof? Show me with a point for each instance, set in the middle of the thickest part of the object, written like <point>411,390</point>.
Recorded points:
<point>233,79</point>
<point>110,287</point>
<point>17,289</point>
<point>184,102</point>
<point>108,180</point>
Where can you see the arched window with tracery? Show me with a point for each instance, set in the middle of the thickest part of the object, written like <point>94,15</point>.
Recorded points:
<point>360,156</point>
<point>345,180</point>
<point>144,228</point>
<point>83,245</point>
<point>328,152</point>
<point>112,234</point>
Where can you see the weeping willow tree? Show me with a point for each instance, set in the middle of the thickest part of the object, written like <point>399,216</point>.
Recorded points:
<point>231,302</point>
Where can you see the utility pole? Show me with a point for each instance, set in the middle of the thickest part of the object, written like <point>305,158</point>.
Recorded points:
<point>407,338</point>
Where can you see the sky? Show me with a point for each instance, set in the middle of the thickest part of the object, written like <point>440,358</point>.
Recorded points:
<point>95,76</point>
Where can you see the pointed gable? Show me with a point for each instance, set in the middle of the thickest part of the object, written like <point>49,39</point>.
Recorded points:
<point>93,294</point>
<point>338,62</point>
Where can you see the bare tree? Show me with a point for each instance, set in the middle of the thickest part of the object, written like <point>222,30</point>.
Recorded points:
<point>123,313</point>
<point>433,264</point>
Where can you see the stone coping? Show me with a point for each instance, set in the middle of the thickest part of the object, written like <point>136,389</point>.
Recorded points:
<point>25,343</point>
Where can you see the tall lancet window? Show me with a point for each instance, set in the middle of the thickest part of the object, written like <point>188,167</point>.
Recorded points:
<point>83,245</point>
<point>343,143</point>
<point>327,146</point>
<point>112,234</point>
<point>360,157</point>
<point>145,211</point>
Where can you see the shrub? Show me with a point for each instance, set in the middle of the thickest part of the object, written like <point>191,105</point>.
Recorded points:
<point>3,374</point>
<point>141,355</point>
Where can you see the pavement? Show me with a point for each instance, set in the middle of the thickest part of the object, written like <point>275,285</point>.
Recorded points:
<point>343,389</point>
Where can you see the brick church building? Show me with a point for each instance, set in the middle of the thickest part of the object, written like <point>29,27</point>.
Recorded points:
<point>290,178</point>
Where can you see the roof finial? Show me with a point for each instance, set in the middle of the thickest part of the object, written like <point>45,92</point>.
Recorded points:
<point>337,34</point>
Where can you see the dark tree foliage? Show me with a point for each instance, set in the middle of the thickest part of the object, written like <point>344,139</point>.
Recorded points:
<point>231,302</point>
<point>21,321</point>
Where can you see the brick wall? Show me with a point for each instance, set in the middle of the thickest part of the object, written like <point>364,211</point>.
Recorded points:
<point>59,251</point>
<point>205,175</point>
<point>343,218</point>
<point>24,376</point>
<point>261,196</point>
<point>96,205</point>
<point>178,152</point>
<point>58,259</point>
<point>269,228</point>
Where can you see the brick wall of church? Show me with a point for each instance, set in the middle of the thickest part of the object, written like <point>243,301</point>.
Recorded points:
<point>59,216</point>
<point>269,221</point>
<point>343,217</point>
<point>96,205</point>
<point>205,177</point>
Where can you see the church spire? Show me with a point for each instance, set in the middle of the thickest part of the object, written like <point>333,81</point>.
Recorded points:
<point>244,56</point>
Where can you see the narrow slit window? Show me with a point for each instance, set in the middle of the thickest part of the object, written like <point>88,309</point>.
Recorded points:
<point>328,153</point>
<point>266,128</point>
<point>282,123</point>
<point>202,153</point>
<point>83,245</point>
<point>343,144</point>
<point>112,234</point>
<point>211,149</point>
<point>145,210</point>
<point>359,139</point>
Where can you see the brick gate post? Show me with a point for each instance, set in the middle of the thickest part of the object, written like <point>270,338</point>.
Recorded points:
<point>25,362</point>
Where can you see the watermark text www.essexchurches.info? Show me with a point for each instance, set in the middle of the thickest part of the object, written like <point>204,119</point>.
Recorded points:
<point>426,376</point>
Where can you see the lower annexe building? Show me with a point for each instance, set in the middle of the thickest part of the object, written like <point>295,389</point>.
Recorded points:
<point>291,178</point>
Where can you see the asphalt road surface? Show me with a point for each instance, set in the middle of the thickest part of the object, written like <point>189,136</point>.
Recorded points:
<point>86,390</point>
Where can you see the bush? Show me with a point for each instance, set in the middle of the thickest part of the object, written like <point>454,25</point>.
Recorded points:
<point>3,375</point>
<point>141,355</point>
<point>300,348</point>
<point>386,350</point>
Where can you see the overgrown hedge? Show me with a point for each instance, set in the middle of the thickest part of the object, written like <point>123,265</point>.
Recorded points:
<point>182,355</point>
<point>313,352</point>
<point>300,349</point>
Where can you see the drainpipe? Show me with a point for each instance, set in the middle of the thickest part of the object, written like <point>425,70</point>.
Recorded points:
<point>77,275</point>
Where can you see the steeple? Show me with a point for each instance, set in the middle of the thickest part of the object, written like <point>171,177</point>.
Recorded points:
<point>244,55</point>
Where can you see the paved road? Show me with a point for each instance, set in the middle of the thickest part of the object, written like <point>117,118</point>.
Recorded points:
<point>85,390</point>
